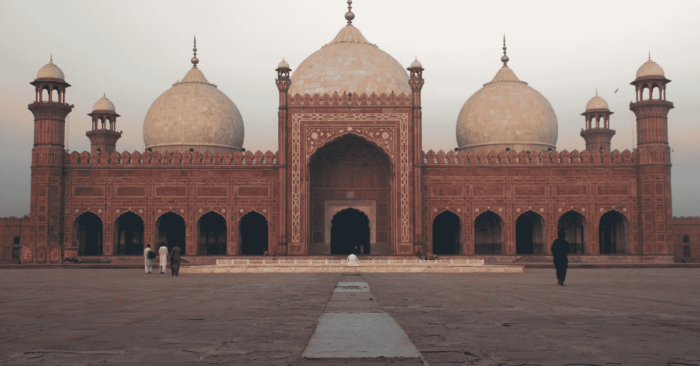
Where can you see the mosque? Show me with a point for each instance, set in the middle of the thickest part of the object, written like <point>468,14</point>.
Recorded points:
<point>350,171</point>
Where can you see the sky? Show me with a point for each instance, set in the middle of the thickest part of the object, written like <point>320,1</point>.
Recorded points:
<point>135,50</point>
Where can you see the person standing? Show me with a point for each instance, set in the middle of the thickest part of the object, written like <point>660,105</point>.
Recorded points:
<point>149,262</point>
<point>560,250</point>
<point>175,261</point>
<point>163,256</point>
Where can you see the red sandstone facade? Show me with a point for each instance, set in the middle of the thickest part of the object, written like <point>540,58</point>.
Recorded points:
<point>350,151</point>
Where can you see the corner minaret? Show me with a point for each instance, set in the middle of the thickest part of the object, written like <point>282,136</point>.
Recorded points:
<point>597,132</point>
<point>103,135</point>
<point>48,158</point>
<point>654,159</point>
<point>651,109</point>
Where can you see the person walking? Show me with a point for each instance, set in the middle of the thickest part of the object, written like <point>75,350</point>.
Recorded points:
<point>147,258</point>
<point>163,256</point>
<point>175,261</point>
<point>560,250</point>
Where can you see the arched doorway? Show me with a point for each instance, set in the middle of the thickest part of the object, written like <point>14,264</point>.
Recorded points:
<point>446,233</point>
<point>488,234</point>
<point>349,229</point>
<point>612,233</point>
<point>344,173</point>
<point>211,234</point>
<point>87,234</point>
<point>171,230</point>
<point>128,234</point>
<point>254,235</point>
<point>573,224</point>
<point>529,234</point>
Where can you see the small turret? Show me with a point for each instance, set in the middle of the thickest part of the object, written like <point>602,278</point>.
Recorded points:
<point>103,135</point>
<point>597,132</point>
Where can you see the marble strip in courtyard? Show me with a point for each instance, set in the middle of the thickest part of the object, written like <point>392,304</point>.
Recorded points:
<point>341,266</point>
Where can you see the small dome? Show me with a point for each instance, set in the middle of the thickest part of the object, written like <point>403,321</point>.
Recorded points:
<point>650,68</point>
<point>104,104</point>
<point>416,64</point>
<point>507,113</point>
<point>596,103</point>
<point>283,65</point>
<point>50,71</point>
<point>350,64</point>
<point>193,114</point>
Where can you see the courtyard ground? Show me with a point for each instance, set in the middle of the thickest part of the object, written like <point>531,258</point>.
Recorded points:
<point>603,316</point>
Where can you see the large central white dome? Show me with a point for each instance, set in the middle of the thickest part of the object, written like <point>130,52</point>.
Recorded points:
<point>350,64</point>
<point>193,114</point>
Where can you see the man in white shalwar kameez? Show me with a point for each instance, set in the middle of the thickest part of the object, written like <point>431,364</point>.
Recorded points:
<point>149,262</point>
<point>353,261</point>
<point>163,255</point>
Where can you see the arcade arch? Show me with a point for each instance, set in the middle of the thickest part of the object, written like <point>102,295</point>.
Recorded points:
<point>529,234</point>
<point>613,232</point>
<point>349,230</point>
<point>573,224</point>
<point>253,234</point>
<point>211,234</point>
<point>87,234</point>
<point>446,233</point>
<point>488,233</point>
<point>171,229</point>
<point>128,234</point>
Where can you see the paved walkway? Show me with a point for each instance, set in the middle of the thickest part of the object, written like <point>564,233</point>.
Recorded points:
<point>121,316</point>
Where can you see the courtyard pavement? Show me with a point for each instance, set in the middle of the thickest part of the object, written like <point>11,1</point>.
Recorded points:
<point>605,316</point>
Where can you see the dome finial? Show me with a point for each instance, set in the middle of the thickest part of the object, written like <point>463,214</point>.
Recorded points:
<point>505,58</point>
<point>349,15</point>
<point>51,59</point>
<point>596,91</point>
<point>649,55</point>
<point>195,60</point>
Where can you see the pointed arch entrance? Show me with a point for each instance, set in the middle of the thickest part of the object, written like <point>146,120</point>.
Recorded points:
<point>350,230</point>
<point>613,233</point>
<point>529,233</point>
<point>171,229</point>
<point>254,234</point>
<point>488,233</point>
<point>87,234</point>
<point>128,234</point>
<point>446,233</point>
<point>573,224</point>
<point>349,172</point>
<point>211,234</point>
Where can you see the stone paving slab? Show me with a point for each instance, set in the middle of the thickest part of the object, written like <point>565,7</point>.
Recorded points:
<point>643,316</point>
<point>601,316</point>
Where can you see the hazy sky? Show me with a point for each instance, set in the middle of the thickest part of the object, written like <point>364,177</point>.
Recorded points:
<point>135,50</point>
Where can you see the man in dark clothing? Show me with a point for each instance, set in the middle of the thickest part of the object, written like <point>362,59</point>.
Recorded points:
<point>175,261</point>
<point>560,250</point>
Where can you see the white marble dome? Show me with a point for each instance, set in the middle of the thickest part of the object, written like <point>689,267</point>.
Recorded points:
<point>193,114</point>
<point>104,104</point>
<point>650,68</point>
<point>596,103</point>
<point>350,64</point>
<point>507,113</point>
<point>50,71</point>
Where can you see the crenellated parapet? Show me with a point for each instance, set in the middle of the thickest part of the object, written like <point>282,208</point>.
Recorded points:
<point>530,158</point>
<point>167,159</point>
<point>354,100</point>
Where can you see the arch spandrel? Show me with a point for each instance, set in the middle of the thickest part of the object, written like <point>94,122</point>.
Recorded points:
<point>319,137</point>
